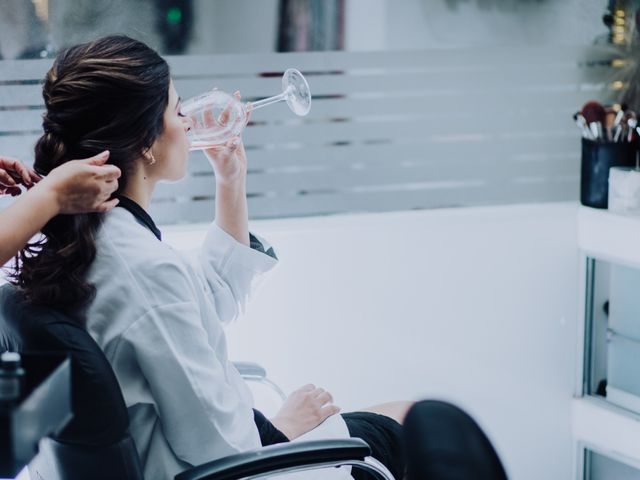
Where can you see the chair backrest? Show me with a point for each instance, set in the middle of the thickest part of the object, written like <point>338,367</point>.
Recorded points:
<point>95,443</point>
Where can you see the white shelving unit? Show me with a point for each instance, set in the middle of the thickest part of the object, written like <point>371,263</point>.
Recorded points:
<point>599,425</point>
<point>609,236</point>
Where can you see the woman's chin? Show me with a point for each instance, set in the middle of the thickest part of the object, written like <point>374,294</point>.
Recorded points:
<point>174,176</point>
<point>179,176</point>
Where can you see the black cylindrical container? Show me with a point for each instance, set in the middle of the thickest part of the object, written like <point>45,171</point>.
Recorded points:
<point>597,159</point>
<point>11,378</point>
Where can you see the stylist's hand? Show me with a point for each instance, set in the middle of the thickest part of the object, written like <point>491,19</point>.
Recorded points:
<point>229,160</point>
<point>83,186</point>
<point>13,174</point>
<point>304,410</point>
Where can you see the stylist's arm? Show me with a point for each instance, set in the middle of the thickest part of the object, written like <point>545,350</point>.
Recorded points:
<point>79,186</point>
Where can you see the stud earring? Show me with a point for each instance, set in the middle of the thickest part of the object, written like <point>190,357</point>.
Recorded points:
<point>150,157</point>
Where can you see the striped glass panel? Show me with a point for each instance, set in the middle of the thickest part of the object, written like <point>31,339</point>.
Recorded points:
<point>387,130</point>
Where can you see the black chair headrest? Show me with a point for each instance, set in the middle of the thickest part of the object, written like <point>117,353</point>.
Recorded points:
<point>100,414</point>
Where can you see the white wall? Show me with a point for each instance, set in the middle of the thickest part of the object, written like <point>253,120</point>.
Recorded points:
<point>475,305</point>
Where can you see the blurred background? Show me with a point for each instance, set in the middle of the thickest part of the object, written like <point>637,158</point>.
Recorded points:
<point>417,103</point>
<point>425,212</point>
<point>33,29</point>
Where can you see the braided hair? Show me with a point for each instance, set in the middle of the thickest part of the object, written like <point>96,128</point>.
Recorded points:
<point>108,94</point>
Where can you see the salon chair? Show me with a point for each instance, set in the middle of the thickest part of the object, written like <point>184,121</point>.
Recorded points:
<point>96,443</point>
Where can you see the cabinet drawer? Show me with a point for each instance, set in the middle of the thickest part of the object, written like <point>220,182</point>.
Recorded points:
<point>623,370</point>
<point>624,301</point>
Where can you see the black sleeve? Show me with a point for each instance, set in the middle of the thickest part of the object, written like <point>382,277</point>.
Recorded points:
<point>256,244</point>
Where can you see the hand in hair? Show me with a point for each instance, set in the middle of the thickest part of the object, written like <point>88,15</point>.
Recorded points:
<point>84,186</point>
<point>13,174</point>
<point>76,187</point>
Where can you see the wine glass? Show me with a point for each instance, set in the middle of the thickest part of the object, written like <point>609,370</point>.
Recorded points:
<point>217,116</point>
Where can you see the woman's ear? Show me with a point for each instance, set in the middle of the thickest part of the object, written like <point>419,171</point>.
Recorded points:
<point>151,160</point>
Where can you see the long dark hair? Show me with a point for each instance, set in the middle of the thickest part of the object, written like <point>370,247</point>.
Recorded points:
<point>108,94</point>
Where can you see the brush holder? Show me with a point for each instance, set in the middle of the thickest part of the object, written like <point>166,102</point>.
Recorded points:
<point>597,159</point>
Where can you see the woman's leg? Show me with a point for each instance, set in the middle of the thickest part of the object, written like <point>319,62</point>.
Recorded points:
<point>381,427</point>
<point>396,410</point>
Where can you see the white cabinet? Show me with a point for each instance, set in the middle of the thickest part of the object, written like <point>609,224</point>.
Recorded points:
<point>606,410</point>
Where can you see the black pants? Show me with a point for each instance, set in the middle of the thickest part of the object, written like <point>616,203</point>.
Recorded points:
<point>383,434</point>
<point>438,441</point>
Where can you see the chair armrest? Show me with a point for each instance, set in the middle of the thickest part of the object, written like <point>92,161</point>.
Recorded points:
<point>278,457</point>
<point>250,370</point>
<point>253,372</point>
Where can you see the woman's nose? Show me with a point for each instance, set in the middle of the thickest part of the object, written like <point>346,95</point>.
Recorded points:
<point>189,123</point>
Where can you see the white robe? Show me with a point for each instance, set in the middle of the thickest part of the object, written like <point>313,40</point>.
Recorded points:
<point>159,319</point>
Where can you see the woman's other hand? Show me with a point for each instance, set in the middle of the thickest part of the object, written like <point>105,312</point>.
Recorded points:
<point>83,186</point>
<point>13,174</point>
<point>304,410</point>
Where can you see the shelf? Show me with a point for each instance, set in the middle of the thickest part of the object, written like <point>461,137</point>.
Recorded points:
<point>611,430</point>
<point>609,236</point>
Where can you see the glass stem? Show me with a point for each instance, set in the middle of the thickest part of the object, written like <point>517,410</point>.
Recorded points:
<point>267,101</point>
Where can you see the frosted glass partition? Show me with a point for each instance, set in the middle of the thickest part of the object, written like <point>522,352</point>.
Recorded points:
<point>387,130</point>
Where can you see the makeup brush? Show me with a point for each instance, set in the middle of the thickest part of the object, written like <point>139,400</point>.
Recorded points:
<point>609,122</point>
<point>617,124</point>
<point>619,115</point>
<point>594,113</point>
<point>633,123</point>
<point>582,125</point>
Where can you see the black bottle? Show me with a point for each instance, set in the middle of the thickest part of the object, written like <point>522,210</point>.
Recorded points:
<point>11,380</point>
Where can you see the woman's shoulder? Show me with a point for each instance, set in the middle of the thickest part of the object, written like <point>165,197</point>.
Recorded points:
<point>131,262</point>
<point>122,239</point>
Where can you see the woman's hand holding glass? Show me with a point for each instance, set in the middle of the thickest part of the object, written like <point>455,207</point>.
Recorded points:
<point>229,160</point>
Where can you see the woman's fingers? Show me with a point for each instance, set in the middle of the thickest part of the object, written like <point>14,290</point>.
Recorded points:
<point>109,173</point>
<point>104,173</point>
<point>208,118</point>
<point>329,410</point>
<point>35,178</point>
<point>106,206</point>
<point>84,185</point>
<point>6,180</point>
<point>99,159</point>
<point>317,391</point>
<point>324,397</point>
<point>24,173</point>
<point>110,186</point>
<point>16,169</point>
<point>224,116</point>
